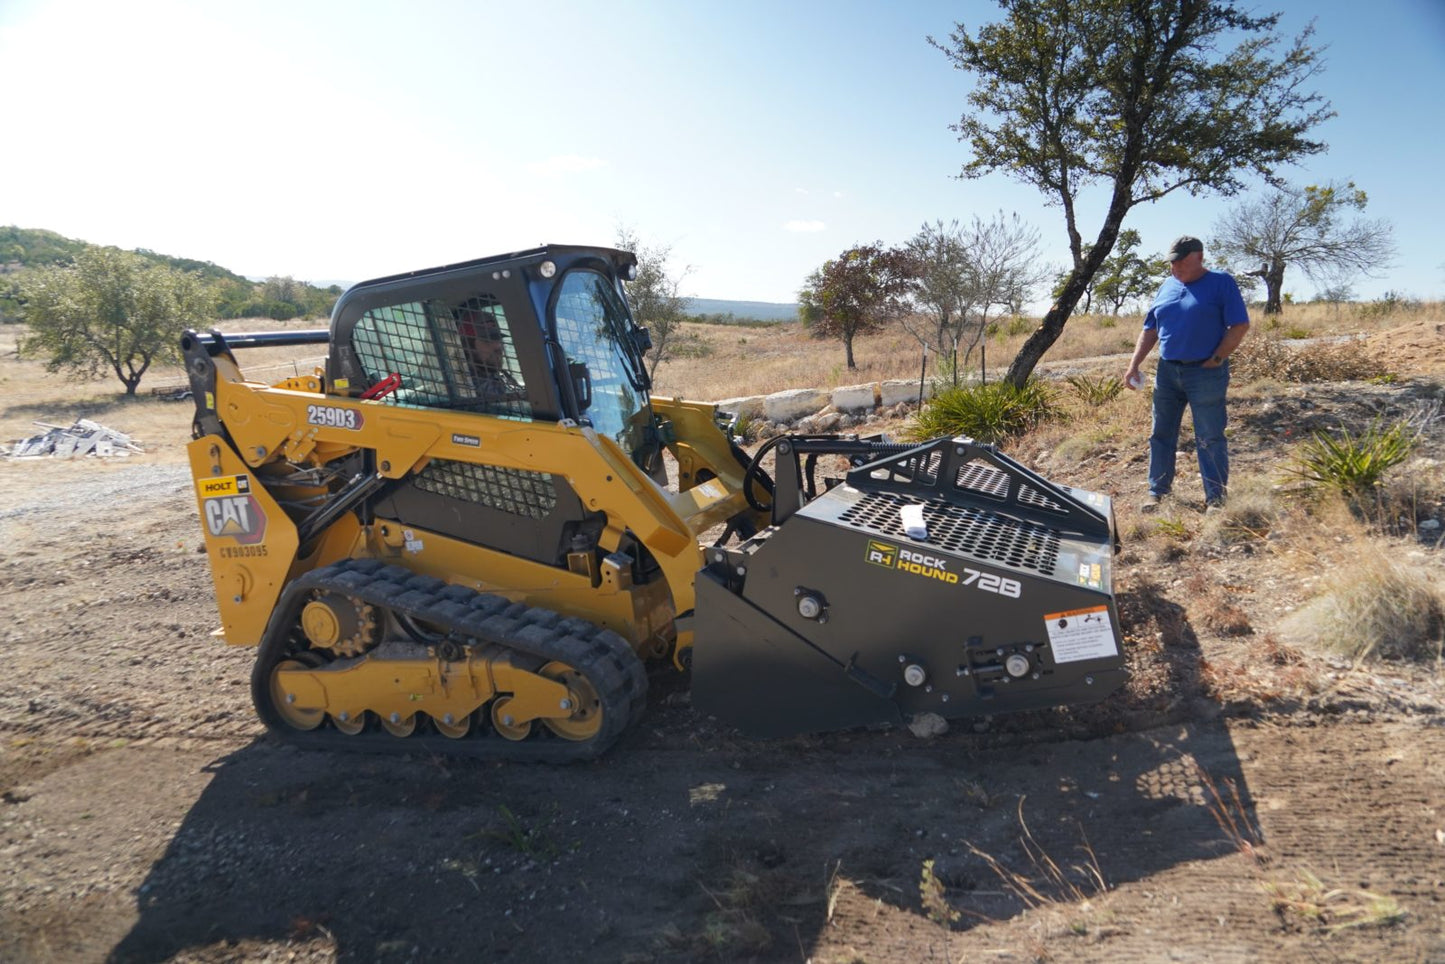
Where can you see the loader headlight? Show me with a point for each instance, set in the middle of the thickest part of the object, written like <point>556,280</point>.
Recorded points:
<point>1017,665</point>
<point>547,269</point>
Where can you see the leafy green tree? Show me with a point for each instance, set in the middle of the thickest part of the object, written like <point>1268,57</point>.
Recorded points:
<point>111,311</point>
<point>1140,98</point>
<point>285,288</point>
<point>1126,277</point>
<point>655,296</point>
<point>856,293</point>
<point>1305,227</point>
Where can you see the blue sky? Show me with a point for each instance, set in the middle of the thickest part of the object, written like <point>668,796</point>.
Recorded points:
<point>345,140</point>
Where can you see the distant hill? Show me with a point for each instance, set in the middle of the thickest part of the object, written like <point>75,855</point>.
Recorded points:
<point>743,310</point>
<point>27,249</point>
<point>36,247</point>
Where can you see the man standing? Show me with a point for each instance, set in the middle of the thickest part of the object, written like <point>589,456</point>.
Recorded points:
<point>1198,319</point>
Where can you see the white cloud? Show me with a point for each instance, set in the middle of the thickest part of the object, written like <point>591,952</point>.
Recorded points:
<point>804,227</point>
<point>566,164</point>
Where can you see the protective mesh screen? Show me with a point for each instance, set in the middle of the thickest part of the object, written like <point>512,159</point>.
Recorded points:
<point>920,469</point>
<point>515,491</point>
<point>1032,496</point>
<point>981,478</point>
<point>439,366</point>
<point>984,479</point>
<point>983,535</point>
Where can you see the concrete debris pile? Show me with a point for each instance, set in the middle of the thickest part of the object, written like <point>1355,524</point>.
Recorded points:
<point>83,438</point>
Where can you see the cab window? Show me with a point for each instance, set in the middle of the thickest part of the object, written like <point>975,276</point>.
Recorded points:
<point>592,324</point>
<point>457,355</point>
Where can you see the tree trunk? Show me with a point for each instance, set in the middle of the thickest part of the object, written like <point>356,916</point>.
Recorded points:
<point>848,350</point>
<point>1273,275</point>
<point>1076,286</point>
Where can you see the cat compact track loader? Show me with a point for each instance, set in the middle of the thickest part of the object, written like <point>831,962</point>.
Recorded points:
<point>459,535</point>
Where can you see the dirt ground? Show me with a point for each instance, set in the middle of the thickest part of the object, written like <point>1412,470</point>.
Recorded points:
<point>145,815</point>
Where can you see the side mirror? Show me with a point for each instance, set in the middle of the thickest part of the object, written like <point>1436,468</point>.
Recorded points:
<point>581,384</point>
<point>642,339</point>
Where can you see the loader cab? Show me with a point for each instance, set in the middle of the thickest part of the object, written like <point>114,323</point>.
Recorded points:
<point>540,334</point>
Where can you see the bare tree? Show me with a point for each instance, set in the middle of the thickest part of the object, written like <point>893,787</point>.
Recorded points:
<point>960,275</point>
<point>941,288</point>
<point>654,295</point>
<point>1305,227</point>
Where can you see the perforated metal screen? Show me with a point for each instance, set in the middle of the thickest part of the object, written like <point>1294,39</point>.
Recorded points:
<point>983,535</point>
<point>423,343</point>
<point>515,491</point>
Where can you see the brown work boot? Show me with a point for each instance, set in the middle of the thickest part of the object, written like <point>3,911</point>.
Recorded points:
<point>1151,503</point>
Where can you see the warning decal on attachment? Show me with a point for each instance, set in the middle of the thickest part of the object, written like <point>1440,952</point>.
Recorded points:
<point>1081,634</point>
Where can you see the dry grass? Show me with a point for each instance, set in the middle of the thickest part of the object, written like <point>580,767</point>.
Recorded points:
<point>1252,512</point>
<point>1299,897</point>
<point>1381,603</point>
<point>1044,881</point>
<point>724,361</point>
<point>30,394</point>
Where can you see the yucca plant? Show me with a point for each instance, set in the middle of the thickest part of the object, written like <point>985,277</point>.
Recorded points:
<point>991,413</point>
<point>1353,465</point>
<point>1095,390</point>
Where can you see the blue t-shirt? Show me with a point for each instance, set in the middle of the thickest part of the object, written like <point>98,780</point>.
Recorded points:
<point>1192,318</point>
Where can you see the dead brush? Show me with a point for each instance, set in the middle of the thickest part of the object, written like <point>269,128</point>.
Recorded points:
<point>1268,672</point>
<point>1272,357</point>
<point>1297,897</point>
<point>1212,607</point>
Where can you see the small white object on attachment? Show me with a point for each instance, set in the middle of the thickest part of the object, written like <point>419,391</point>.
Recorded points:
<point>913,524</point>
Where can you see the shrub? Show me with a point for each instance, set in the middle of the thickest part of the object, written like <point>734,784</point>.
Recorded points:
<point>991,413</point>
<point>1353,465</point>
<point>1250,514</point>
<point>1387,608</point>
<point>1096,390</point>
<point>689,346</point>
<point>1390,303</point>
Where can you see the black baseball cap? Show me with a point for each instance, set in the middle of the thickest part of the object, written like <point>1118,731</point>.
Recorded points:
<point>1185,245</point>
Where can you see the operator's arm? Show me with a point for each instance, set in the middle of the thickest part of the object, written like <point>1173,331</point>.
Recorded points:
<point>1148,338</point>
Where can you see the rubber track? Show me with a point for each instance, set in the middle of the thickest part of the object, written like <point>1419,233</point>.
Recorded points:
<point>599,654</point>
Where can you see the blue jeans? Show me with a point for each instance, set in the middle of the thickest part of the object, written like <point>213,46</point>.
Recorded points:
<point>1203,389</point>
